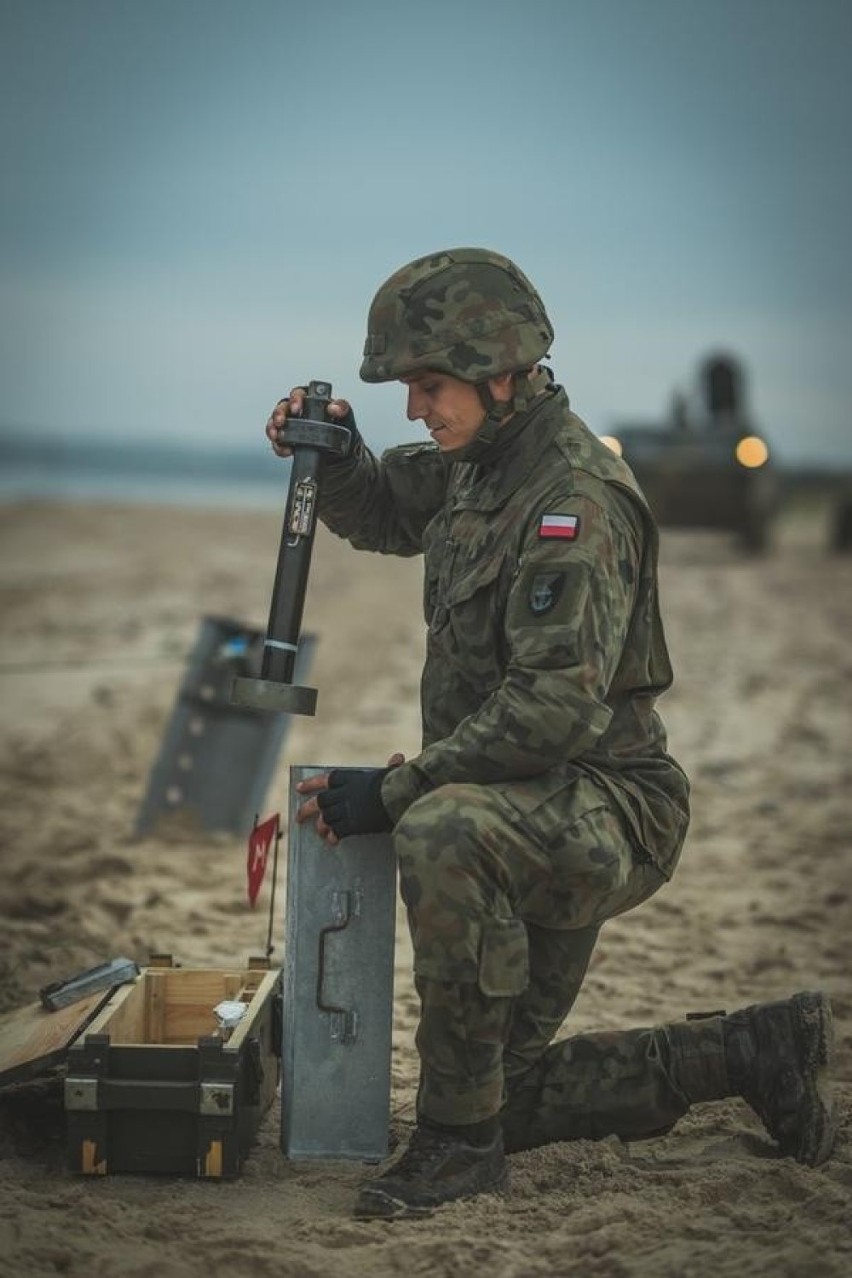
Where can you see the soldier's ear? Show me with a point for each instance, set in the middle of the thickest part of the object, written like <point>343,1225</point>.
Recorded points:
<point>502,387</point>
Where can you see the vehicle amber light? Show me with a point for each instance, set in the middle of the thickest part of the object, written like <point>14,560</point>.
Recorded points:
<point>613,443</point>
<point>752,452</point>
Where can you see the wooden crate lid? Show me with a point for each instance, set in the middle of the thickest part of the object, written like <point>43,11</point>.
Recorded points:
<point>33,1041</point>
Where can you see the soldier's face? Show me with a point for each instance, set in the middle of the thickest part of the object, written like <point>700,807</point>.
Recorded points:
<point>450,409</point>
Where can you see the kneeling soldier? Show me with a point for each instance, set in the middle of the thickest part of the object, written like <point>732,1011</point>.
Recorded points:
<point>543,801</point>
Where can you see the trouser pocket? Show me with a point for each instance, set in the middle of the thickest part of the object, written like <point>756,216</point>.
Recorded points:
<point>499,951</point>
<point>464,1025</point>
<point>504,965</point>
<point>591,868</point>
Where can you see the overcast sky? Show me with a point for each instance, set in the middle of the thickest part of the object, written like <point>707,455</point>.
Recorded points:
<point>201,197</point>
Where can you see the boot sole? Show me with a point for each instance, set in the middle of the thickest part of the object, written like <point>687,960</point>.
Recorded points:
<point>815,1034</point>
<point>375,1203</point>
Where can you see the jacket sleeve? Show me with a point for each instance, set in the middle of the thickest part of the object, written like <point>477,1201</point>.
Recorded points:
<point>564,627</point>
<point>383,504</point>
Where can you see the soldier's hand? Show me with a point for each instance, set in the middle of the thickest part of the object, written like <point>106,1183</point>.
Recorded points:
<point>276,426</point>
<point>310,809</point>
<point>316,785</point>
<point>352,804</point>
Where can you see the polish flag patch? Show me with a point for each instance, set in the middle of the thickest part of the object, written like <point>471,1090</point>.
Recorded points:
<point>565,527</point>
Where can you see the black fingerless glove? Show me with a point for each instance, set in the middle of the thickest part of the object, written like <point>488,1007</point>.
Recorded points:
<point>354,444</point>
<point>355,441</point>
<point>352,804</point>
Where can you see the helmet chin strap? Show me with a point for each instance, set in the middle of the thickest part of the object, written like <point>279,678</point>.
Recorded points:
<point>526,386</point>
<point>481,442</point>
<point>522,396</point>
<point>496,412</point>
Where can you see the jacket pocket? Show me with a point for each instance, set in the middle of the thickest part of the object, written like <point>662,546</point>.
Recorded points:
<point>467,621</point>
<point>468,577</point>
<point>464,615</point>
<point>549,804</point>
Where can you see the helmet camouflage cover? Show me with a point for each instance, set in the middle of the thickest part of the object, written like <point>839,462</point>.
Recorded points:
<point>467,312</point>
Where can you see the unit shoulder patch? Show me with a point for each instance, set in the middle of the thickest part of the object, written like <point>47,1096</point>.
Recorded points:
<point>545,591</point>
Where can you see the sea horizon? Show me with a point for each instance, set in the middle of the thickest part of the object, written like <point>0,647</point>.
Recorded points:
<point>36,467</point>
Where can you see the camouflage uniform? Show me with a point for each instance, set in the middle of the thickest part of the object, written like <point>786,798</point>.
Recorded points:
<point>543,801</point>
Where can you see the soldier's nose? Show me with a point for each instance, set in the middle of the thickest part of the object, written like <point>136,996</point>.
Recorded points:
<point>415,404</point>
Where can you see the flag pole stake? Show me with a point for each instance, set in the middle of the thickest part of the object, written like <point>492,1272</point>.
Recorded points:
<point>269,946</point>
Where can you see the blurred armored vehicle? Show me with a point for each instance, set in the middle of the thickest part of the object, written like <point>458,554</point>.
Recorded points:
<point>706,467</point>
<point>841,531</point>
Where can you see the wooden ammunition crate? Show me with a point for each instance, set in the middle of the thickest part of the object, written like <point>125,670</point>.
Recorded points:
<point>153,1085</point>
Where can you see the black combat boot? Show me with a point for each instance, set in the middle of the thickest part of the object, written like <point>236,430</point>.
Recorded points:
<point>775,1055</point>
<point>440,1164</point>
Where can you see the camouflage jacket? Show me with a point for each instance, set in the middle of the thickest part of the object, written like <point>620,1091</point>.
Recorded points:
<point>545,645</point>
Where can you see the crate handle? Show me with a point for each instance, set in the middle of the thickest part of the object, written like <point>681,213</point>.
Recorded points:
<point>344,1021</point>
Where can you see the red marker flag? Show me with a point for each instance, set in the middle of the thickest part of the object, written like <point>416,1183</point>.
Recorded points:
<point>260,841</point>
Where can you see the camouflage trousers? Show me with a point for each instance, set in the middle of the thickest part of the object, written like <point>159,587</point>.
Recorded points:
<point>506,887</point>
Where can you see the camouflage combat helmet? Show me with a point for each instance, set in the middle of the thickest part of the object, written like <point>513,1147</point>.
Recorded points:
<point>466,311</point>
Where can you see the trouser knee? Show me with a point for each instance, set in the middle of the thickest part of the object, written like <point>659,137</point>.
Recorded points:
<point>459,906</point>
<point>440,844</point>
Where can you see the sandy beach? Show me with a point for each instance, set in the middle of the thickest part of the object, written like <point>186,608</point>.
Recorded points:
<point>99,607</point>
